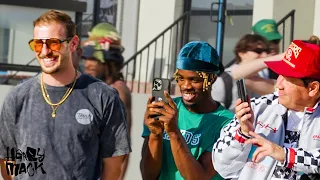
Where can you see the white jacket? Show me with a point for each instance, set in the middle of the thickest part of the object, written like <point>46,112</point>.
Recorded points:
<point>232,158</point>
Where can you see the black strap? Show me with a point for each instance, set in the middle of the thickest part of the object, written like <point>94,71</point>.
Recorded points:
<point>285,120</point>
<point>228,83</point>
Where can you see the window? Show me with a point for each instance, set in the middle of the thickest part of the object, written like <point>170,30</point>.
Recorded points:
<point>4,47</point>
<point>4,44</point>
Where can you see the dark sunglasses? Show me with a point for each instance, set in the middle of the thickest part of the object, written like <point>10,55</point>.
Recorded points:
<point>54,44</point>
<point>261,50</point>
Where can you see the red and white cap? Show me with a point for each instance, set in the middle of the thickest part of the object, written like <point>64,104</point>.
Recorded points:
<point>302,60</point>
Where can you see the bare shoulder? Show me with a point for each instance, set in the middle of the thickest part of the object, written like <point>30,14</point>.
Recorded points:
<point>124,91</point>
<point>121,87</point>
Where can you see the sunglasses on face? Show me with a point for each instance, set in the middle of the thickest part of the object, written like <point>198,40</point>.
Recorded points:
<point>54,44</point>
<point>261,50</point>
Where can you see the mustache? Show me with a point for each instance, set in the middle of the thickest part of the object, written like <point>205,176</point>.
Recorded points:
<point>50,55</point>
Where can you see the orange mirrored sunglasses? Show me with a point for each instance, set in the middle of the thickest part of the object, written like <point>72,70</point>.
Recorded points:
<point>53,44</point>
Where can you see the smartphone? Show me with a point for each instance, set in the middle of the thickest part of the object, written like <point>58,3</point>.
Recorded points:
<point>160,85</point>
<point>242,90</point>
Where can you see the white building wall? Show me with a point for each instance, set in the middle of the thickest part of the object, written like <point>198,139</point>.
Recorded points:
<point>262,9</point>
<point>154,17</point>
<point>316,20</point>
<point>304,16</point>
<point>129,18</point>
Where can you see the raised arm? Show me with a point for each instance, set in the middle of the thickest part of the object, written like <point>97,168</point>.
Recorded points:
<point>151,161</point>
<point>298,159</point>
<point>260,85</point>
<point>188,166</point>
<point>251,68</point>
<point>151,155</point>
<point>230,153</point>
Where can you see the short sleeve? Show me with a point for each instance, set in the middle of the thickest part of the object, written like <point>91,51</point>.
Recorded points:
<point>146,131</point>
<point>7,119</point>
<point>225,118</point>
<point>115,139</point>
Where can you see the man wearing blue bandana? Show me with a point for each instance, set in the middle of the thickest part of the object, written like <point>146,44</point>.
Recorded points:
<point>178,141</point>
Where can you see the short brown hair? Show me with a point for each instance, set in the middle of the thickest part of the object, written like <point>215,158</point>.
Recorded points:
<point>55,16</point>
<point>314,40</point>
<point>249,42</point>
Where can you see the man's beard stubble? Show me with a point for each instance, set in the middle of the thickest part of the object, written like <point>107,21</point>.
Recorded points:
<point>57,65</point>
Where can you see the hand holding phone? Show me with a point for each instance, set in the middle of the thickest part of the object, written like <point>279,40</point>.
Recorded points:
<point>160,85</point>
<point>164,106</point>
<point>246,123</point>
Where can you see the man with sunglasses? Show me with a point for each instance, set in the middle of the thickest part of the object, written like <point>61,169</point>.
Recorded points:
<point>269,30</point>
<point>61,124</point>
<point>249,48</point>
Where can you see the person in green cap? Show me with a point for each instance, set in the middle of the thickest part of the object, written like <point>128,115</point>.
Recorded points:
<point>179,140</point>
<point>268,29</point>
<point>103,53</point>
<point>103,60</point>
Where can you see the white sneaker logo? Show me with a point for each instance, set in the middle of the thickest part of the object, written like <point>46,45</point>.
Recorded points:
<point>84,116</point>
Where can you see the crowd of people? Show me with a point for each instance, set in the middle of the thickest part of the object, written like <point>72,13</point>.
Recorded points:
<point>69,122</point>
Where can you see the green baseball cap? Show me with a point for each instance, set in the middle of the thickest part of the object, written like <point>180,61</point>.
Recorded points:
<point>268,29</point>
<point>104,29</point>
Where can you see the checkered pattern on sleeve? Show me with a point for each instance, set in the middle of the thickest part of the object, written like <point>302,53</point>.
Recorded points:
<point>228,135</point>
<point>266,99</point>
<point>304,158</point>
<point>284,171</point>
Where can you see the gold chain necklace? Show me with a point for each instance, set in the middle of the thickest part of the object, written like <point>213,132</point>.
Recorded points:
<point>46,97</point>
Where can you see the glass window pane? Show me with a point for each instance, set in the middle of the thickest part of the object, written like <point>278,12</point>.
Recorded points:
<point>201,28</point>
<point>231,4</point>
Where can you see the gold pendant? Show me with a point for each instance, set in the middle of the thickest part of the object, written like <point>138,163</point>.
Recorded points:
<point>53,114</point>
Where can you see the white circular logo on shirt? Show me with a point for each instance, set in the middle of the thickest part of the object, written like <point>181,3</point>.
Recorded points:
<point>84,116</point>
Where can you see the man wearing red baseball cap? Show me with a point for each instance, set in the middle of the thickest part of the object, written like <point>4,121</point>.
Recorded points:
<point>302,60</point>
<point>277,136</point>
